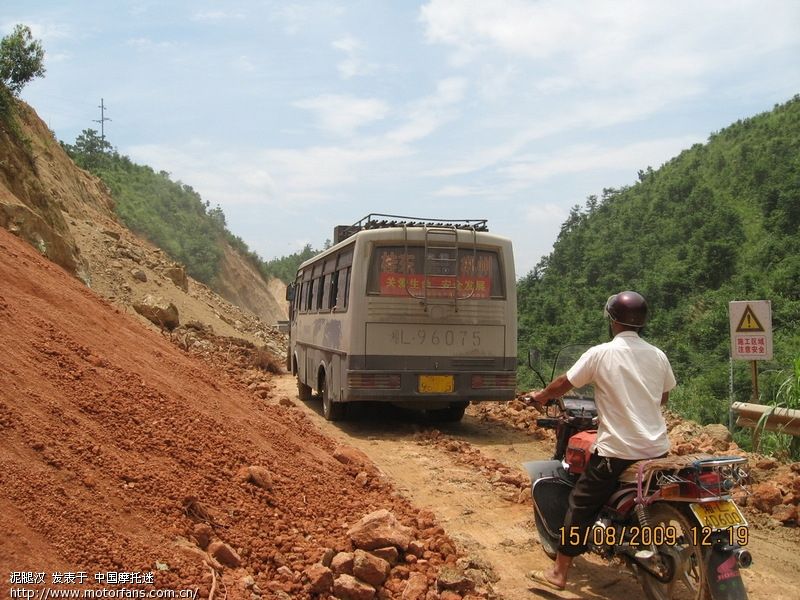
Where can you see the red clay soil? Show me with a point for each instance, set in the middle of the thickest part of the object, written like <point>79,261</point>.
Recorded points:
<point>108,430</point>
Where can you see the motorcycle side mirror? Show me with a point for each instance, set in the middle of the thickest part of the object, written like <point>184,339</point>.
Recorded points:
<point>534,357</point>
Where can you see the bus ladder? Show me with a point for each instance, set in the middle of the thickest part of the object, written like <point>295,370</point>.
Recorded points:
<point>441,267</point>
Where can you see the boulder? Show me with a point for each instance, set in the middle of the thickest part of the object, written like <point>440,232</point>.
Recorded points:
<point>348,455</point>
<point>370,568</point>
<point>347,587</point>
<point>320,578</point>
<point>389,554</point>
<point>416,587</point>
<point>719,436</point>
<point>259,476</point>
<point>765,497</point>
<point>177,275</point>
<point>224,554</point>
<point>139,275</point>
<point>785,513</point>
<point>380,529</point>
<point>342,563</point>
<point>454,579</point>
<point>158,310</point>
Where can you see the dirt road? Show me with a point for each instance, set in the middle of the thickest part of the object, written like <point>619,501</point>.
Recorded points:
<point>499,531</point>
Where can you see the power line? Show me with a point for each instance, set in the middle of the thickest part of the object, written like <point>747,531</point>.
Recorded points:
<point>103,118</point>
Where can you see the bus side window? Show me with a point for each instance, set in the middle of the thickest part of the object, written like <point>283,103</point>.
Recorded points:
<point>319,295</point>
<point>333,291</point>
<point>309,294</point>
<point>344,288</point>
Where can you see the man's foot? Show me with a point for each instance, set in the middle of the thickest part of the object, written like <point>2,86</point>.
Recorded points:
<point>544,579</point>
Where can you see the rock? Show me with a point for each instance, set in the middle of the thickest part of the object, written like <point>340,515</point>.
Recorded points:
<point>284,401</point>
<point>453,578</point>
<point>389,554</point>
<point>347,587</point>
<point>719,435</point>
<point>139,275</point>
<point>320,578</point>
<point>202,533</point>
<point>224,554</point>
<point>765,497</point>
<point>327,557</point>
<point>158,310</point>
<point>362,479</point>
<point>177,275</point>
<point>259,476</point>
<point>416,588</point>
<point>380,529</point>
<point>767,464</point>
<point>342,563</point>
<point>370,568</point>
<point>785,513</point>
<point>352,456</point>
<point>416,548</point>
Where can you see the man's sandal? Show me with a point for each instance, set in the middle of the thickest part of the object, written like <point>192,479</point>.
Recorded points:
<point>539,578</point>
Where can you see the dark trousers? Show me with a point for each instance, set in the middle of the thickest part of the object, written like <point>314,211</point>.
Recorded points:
<point>593,489</point>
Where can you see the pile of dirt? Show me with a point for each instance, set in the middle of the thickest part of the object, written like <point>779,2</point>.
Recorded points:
<point>121,452</point>
<point>774,487</point>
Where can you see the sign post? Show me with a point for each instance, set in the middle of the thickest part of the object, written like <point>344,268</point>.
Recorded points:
<point>751,336</point>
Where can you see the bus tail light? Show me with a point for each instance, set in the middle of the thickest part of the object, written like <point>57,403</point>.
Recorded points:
<point>374,381</point>
<point>494,381</point>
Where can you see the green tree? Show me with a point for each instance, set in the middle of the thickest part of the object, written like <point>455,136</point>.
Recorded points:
<point>21,59</point>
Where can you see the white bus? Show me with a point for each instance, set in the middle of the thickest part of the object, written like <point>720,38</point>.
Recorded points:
<point>415,312</point>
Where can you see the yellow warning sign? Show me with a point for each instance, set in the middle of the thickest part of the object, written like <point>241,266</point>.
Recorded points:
<point>749,322</point>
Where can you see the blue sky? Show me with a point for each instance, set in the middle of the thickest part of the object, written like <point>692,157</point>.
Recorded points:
<point>297,116</point>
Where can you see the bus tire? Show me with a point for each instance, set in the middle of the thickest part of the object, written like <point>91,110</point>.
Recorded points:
<point>332,411</point>
<point>451,414</point>
<point>303,391</point>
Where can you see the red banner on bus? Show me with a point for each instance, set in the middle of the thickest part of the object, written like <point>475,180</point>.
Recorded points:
<point>398,284</point>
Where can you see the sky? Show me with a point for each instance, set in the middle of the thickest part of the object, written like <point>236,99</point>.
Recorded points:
<point>295,117</point>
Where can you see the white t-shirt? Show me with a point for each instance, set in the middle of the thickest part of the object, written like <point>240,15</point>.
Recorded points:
<point>629,377</point>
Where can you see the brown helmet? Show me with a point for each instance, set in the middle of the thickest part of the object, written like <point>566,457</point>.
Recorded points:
<point>627,308</point>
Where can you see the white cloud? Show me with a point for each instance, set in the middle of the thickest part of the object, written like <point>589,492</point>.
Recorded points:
<point>343,115</point>
<point>353,64</point>
<point>526,170</point>
<point>547,213</point>
<point>146,44</point>
<point>430,113</point>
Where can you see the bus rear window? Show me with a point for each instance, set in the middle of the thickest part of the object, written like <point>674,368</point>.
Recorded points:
<point>404,271</point>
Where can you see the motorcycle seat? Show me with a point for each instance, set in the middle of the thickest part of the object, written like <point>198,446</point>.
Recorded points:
<point>668,463</point>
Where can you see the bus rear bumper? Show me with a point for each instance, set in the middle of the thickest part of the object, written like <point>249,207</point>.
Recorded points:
<point>382,386</point>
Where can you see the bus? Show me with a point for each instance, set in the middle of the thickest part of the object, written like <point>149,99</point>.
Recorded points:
<point>417,312</point>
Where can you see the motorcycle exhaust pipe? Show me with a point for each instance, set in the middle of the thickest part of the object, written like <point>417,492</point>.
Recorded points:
<point>743,557</point>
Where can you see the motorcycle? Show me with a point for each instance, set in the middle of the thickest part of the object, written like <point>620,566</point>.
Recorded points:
<point>671,521</point>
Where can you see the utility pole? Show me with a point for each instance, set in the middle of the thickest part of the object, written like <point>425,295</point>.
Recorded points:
<point>103,118</point>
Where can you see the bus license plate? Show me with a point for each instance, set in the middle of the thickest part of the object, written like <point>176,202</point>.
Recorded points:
<point>436,384</point>
<point>718,515</point>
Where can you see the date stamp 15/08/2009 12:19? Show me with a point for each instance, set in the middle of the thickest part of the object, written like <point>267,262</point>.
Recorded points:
<point>646,536</point>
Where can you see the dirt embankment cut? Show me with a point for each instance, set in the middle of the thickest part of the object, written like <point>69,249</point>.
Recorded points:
<point>120,452</point>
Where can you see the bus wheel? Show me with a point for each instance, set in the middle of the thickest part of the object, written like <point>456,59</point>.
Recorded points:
<point>332,411</point>
<point>451,414</point>
<point>303,391</point>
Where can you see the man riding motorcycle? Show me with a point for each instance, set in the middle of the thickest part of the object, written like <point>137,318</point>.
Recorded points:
<point>632,381</point>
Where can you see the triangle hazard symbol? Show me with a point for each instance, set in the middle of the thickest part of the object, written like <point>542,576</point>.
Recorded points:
<point>749,321</point>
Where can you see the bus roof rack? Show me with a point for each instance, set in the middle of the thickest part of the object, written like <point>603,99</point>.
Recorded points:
<point>381,221</point>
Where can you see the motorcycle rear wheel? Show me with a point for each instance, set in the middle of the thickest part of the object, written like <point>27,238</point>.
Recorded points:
<point>548,542</point>
<point>690,582</point>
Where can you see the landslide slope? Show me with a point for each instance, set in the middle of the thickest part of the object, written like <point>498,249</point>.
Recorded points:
<point>68,214</point>
<point>115,447</point>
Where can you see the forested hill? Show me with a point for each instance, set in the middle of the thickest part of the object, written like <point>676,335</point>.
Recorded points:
<point>719,222</point>
<point>172,215</point>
